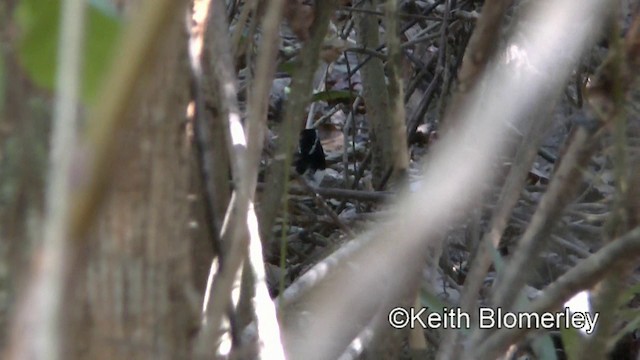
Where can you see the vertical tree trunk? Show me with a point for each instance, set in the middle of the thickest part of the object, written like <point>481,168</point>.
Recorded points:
<point>139,272</point>
<point>24,127</point>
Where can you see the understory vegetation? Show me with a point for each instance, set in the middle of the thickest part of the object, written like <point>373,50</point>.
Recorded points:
<point>297,179</point>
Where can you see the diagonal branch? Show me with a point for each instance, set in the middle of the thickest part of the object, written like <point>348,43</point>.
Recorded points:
<point>587,273</point>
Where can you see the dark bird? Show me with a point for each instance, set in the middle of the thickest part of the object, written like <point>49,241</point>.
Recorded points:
<point>310,156</point>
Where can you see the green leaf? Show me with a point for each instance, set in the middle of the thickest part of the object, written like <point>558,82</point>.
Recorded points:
<point>40,27</point>
<point>103,33</point>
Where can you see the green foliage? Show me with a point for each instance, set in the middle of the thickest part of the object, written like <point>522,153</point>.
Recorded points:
<point>40,24</point>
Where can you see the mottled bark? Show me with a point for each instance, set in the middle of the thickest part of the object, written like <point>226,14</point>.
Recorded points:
<point>376,98</point>
<point>24,126</point>
<point>139,274</point>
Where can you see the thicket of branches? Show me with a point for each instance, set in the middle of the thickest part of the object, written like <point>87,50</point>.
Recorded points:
<point>479,154</point>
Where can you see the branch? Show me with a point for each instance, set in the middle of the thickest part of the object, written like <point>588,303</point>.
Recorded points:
<point>240,232</point>
<point>375,276</point>
<point>301,85</point>
<point>624,250</point>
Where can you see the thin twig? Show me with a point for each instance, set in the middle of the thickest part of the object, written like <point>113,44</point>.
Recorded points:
<point>352,9</point>
<point>400,155</point>
<point>588,272</point>
<point>561,190</point>
<point>323,205</point>
<point>464,157</point>
<point>240,230</point>
<point>607,293</point>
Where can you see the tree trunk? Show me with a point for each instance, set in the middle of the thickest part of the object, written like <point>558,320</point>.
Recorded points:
<point>138,274</point>
<point>24,130</point>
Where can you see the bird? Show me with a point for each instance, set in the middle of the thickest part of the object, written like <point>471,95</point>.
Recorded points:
<point>310,155</point>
